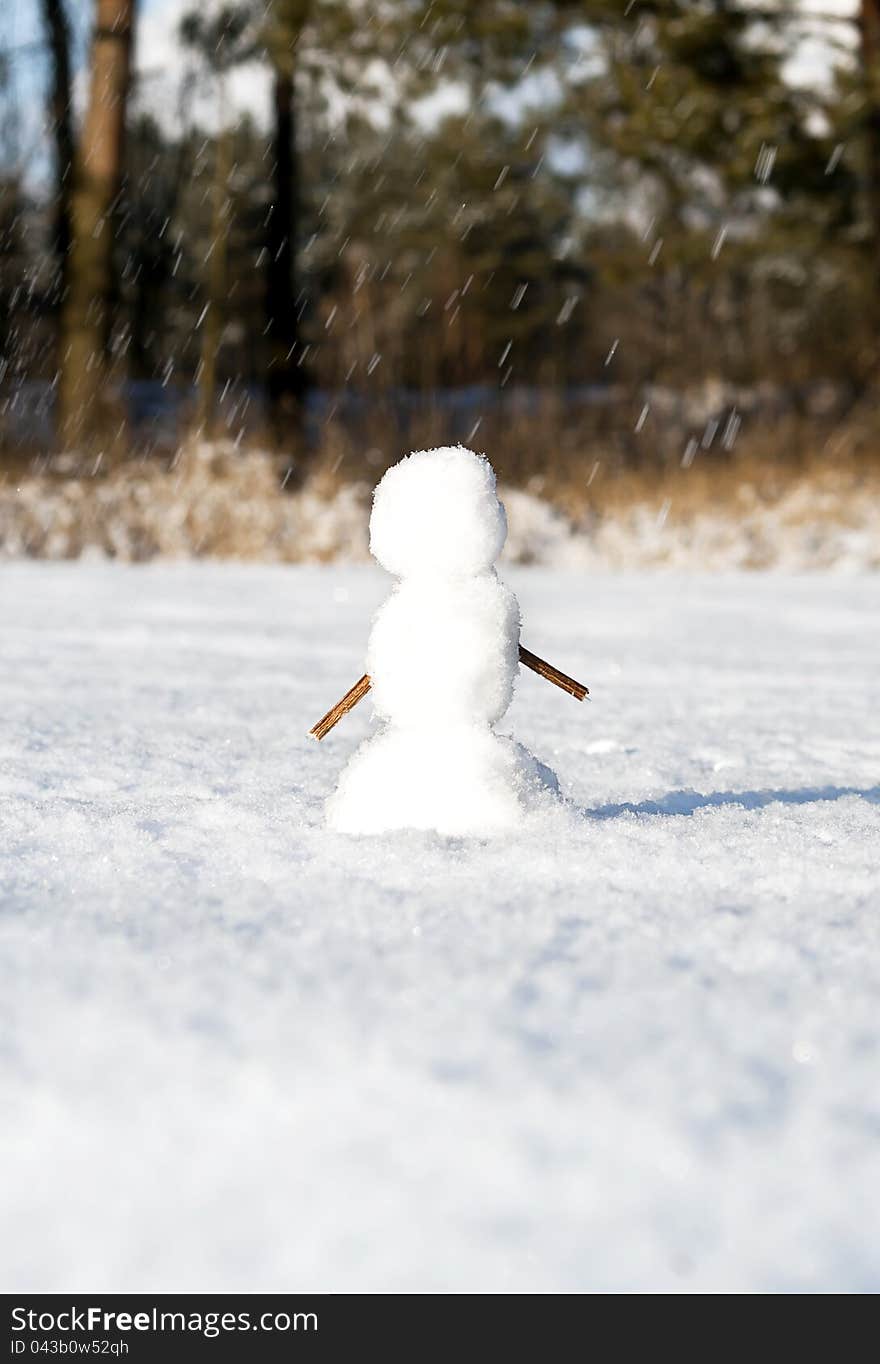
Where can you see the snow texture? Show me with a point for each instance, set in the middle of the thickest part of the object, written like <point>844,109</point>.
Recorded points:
<point>442,657</point>
<point>634,1047</point>
<point>436,513</point>
<point>445,653</point>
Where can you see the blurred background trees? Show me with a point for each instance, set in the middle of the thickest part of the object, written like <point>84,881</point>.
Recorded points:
<point>442,212</point>
<point>95,176</point>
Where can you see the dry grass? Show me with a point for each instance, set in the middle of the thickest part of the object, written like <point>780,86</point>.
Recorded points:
<point>594,467</point>
<point>790,487</point>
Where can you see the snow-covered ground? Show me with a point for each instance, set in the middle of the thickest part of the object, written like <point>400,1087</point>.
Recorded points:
<point>636,1047</point>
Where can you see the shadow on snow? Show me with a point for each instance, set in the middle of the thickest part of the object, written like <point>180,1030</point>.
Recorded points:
<point>688,802</point>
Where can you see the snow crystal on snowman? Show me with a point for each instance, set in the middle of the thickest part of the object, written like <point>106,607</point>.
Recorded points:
<point>442,660</point>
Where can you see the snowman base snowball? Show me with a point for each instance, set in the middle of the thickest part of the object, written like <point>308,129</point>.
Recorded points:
<point>454,783</point>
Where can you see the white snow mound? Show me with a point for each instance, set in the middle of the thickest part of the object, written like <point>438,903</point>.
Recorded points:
<point>455,780</point>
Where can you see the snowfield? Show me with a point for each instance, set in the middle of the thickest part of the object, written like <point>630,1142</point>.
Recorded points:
<point>635,1047</point>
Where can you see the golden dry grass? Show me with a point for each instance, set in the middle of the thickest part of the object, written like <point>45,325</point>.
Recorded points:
<point>791,482</point>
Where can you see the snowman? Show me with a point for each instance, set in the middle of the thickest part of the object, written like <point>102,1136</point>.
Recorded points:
<point>442,660</point>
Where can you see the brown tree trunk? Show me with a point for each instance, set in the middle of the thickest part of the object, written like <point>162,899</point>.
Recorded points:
<point>218,288</point>
<point>61,120</point>
<point>287,377</point>
<point>870,49</point>
<point>85,320</point>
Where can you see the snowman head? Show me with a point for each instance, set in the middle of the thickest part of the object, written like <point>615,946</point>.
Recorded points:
<point>437,513</point>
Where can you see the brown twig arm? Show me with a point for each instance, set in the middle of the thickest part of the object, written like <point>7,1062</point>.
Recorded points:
<point>547,670</point>
<point>335,714</point>
<point>528,659</point>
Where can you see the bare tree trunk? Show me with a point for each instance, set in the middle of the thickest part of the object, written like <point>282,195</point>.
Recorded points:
<point>287,376</point>
<point>61,119</point>
<point>212,335</point>
<point>870,47</point>
<point>85,322</point>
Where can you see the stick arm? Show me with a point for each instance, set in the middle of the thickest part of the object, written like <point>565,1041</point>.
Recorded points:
<point>547,670</point>
<point>362,686</point>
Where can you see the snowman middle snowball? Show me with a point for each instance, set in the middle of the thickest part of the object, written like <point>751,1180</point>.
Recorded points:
<point>443,657</point>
